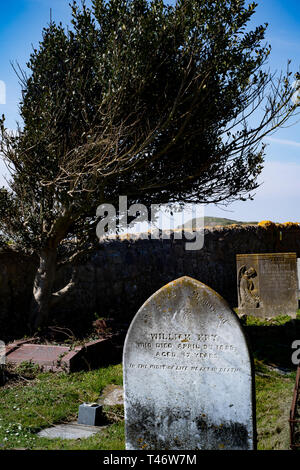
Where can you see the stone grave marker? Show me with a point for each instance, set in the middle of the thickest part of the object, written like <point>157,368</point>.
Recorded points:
<point>267,284</point>
<point>188,376</point>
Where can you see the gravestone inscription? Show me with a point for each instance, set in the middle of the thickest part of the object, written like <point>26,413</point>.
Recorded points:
<point>267,284</point>
<point>188,377</point>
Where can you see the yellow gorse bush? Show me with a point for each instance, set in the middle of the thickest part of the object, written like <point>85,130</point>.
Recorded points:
<point>270,224</point>
<point>266,224</point>
<point>291,224</point>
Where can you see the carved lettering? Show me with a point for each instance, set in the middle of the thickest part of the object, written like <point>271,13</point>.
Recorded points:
<point>171,336</point>
<point>163,345</point>
<point>144,345</point>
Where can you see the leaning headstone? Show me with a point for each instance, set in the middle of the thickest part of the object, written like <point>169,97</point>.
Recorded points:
<point>188,376</point>
<point>267,284</point>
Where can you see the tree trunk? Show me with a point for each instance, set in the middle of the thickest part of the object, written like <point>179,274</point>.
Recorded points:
<point>43,288</point>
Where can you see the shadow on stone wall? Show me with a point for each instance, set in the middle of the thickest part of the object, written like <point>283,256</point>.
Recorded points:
<point>119,275</point>
<point>272,344</point>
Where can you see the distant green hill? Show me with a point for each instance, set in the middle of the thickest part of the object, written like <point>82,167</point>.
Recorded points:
<point>213,221</point>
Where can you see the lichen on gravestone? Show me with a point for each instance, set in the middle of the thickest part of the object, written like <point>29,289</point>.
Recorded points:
<point>188,375</point>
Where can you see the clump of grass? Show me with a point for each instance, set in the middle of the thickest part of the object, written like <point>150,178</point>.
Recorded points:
<point>26,369</point>
<point>249,320</point>
<point>274,394</point>
<point>114,413</point>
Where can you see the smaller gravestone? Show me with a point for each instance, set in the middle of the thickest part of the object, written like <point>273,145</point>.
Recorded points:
<point>267,284</point>
<point>188,381</point>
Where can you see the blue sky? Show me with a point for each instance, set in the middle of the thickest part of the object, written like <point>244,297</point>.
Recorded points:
<point>21,24</point>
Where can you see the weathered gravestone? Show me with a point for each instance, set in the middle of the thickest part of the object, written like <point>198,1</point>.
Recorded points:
<point>188,381</point>
<point>267,284</point>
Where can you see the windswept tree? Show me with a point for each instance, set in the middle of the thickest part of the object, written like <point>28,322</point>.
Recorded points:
<point>160,103</point>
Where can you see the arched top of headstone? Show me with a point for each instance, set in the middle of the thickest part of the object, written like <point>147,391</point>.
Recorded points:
<point>188,377</point>
<point>184,295</point>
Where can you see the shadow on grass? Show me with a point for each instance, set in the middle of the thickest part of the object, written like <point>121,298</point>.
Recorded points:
<point>272,343</point>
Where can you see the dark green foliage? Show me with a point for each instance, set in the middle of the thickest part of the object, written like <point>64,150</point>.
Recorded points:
<point>169,80</point>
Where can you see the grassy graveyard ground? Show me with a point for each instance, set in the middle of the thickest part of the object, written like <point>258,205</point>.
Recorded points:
<point>32,400</point>
<point>274,393</point>
<point>36,400</point>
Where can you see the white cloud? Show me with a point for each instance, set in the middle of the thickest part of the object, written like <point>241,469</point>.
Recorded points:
<point>291,143</point>
<point>2,92</point>
<point>284,42</point>
<point>277,199</point>
<point>280,180</point>
<point>3,173</point>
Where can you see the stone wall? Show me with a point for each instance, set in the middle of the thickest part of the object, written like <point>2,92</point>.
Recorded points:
<point>120,275</point>
<point>16,279</point>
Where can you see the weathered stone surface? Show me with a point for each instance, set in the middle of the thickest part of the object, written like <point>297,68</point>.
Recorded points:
<point>267,284</point>
<point>112,395</point>
<point>70,431</point>
<point>188,381</point>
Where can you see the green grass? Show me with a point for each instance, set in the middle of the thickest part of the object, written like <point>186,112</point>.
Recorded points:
<point>36,403</point>
<point>274,393</point>
<point>255,321</point>
<point>28,406</point>
<point>250,320</point>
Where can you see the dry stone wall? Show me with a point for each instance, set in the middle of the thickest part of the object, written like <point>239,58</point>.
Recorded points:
<point>119,275</point>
